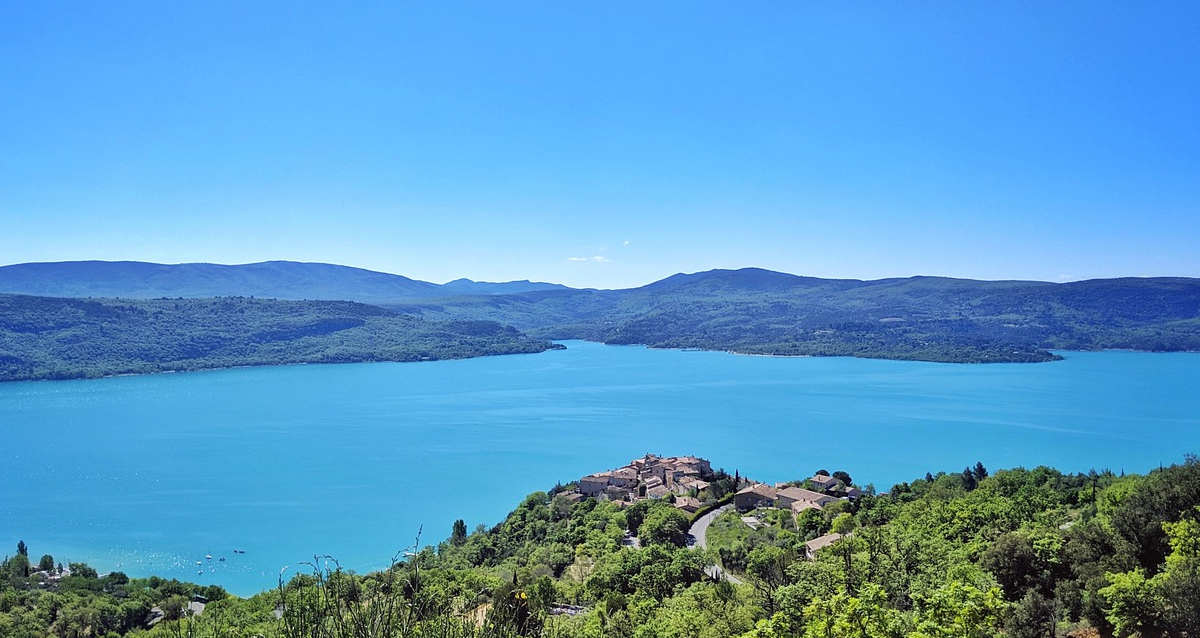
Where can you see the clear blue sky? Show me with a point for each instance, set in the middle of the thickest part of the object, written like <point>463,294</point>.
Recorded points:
<point>607,144</point>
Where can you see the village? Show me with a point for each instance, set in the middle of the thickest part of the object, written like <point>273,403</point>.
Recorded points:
<point>688,481</point>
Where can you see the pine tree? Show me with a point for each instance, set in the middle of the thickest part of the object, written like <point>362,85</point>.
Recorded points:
<point>968,479</point>
<point>458,535</point>
<point>980,471</point>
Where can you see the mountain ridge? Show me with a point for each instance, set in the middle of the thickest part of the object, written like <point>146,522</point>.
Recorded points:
<point>747,310</point>
<point>66,277</point>
<point>278,279</point>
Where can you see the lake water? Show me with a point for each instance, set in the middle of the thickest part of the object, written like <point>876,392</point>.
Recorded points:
<point>151,474</point>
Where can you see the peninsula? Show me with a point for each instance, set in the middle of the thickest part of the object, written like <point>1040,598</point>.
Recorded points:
<point>56,338</point>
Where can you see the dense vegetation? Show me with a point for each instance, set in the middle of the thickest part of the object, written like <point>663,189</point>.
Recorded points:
<point>53,338</point>
<point>1017,553</point>
<point>920,318</point>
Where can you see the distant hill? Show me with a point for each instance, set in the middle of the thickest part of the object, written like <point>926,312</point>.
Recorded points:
<point>468,287</point>
<point>751,310</point>
<point>57,338</point>
<point>924,318</point>
<point>271,279</point>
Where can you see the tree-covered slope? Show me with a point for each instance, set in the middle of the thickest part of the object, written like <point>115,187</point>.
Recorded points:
<point>1019,553</point>
<point>56,338</point>
<point>924,318</point>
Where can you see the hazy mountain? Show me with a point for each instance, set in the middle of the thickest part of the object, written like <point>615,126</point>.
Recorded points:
<point>468,287</point>
<point>271,279</point>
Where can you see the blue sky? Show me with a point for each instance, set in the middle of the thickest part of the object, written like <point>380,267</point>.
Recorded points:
<point>607,144</point>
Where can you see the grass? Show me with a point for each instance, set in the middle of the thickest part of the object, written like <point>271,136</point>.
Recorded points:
<point>728,530</point>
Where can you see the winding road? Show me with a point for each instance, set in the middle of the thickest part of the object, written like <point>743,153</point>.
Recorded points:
<point>698,533</point>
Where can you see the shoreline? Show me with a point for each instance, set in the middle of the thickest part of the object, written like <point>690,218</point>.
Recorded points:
<point>774,356</point>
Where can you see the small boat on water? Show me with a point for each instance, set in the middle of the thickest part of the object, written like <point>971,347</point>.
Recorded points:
<point>208,556</point>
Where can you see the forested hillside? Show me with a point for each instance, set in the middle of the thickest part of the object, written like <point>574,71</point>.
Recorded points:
<point>1018,553</point>
<point>53,338</point>
<point>923,318</point>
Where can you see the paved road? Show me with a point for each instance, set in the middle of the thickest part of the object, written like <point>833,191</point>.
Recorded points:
<point>698,534</point>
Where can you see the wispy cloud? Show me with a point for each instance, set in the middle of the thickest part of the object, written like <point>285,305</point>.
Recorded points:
<point>597,258</point>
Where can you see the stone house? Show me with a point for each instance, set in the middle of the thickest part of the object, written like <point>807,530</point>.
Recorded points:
<point>757,495</point>
<point>626,477</point>
<point>823,482</point>
<point>687,504</point>
<point>817,544</point>
<point>790,495</point>
<point>593,484</point>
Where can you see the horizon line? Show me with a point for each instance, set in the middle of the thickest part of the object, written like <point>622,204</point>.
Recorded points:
<point>675,274</point>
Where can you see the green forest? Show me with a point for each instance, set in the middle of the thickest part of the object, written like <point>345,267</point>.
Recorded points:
<point>55,338</point>
<point>972,554</point>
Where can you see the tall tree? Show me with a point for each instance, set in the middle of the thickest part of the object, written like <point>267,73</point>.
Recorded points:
<point>968,479</point>
<point>665,526</point>
<point>980,471</point>
<point>458,535</point>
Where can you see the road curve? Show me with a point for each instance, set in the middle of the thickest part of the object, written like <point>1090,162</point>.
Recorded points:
<point>699,532</point>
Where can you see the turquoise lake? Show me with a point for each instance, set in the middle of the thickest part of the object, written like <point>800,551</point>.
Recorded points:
<point>150,474</point>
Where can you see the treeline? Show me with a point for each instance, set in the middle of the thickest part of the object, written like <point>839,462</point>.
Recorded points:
<point>1018,553</point>
<point>936,341</point>
<point>46,598</point>
<point>53,338</point>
